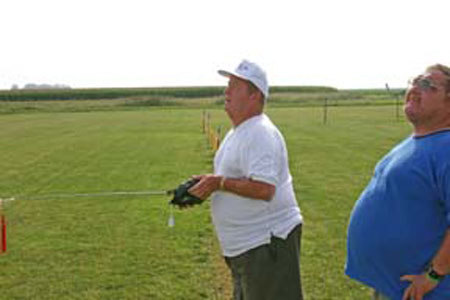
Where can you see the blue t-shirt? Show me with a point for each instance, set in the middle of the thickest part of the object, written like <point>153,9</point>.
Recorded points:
<point>400,220</point>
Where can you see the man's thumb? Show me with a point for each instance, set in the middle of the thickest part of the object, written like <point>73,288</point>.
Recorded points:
<point>407,278</point>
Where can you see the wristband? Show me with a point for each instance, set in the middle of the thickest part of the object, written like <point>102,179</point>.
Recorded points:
<point>433,276</point>
<point>222,183</point>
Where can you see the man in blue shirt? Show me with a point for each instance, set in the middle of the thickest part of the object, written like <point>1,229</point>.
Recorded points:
<point>399,231</point>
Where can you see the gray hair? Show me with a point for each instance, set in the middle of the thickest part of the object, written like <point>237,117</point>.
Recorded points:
<point>444,70</point>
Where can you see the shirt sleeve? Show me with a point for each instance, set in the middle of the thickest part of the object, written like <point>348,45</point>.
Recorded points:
<point>260,157</point>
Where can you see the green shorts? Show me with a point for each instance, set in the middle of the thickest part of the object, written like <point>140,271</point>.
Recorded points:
<point>270,271</point>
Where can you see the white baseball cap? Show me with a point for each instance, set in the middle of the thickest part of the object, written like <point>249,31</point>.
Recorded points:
<point>252,72</point>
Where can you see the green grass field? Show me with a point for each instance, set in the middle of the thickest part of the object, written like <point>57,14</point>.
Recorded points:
<point>121,247</point>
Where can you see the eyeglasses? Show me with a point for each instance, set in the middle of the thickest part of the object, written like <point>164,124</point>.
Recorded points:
<point>424,84</point>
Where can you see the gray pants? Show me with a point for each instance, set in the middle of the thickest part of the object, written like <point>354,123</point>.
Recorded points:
<point>270,271</point>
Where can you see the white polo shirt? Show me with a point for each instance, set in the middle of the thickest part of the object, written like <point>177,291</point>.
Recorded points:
<point>255,149</point>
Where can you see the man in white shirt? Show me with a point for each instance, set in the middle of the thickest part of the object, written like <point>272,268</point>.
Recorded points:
<point>254,210</point>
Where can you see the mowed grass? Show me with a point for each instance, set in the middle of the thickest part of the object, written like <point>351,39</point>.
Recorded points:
<point>121,247</point>
<point>109,247</point>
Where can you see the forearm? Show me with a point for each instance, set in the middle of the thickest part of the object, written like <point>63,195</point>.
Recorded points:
<point>428,280</point>
<point>441,261</point>
<point>249,188</point>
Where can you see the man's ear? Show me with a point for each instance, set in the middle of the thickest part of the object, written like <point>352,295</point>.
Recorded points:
<point>253,96</point>
<point>256,96</point>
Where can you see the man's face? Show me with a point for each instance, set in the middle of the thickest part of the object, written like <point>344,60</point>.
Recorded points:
<point>237,98</point>
<point>426,100</point>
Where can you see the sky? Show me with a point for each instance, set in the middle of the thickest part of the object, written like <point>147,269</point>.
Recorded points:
<point>107,43</point>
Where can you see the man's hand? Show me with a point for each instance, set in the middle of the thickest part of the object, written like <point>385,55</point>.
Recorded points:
<point>420,285</point>
<point>182,198</point>
<point>207,185</point>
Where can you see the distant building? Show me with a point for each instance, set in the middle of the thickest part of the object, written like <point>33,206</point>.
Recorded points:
<point>33,86</point>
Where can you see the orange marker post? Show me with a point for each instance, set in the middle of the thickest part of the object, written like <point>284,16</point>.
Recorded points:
<point>2,229</point>
<point>3,225</point>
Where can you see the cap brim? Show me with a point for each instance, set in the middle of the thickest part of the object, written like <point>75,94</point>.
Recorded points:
<point>224,73</point>
<point>229,74</point>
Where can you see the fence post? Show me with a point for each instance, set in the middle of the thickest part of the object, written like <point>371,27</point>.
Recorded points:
<point>208,121</point>
<point>213,135</point>
<point>397,100</point>
<point>203,121</point>
<point>219,136</point>
<point>325,111</point>
<point>397,105</point>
